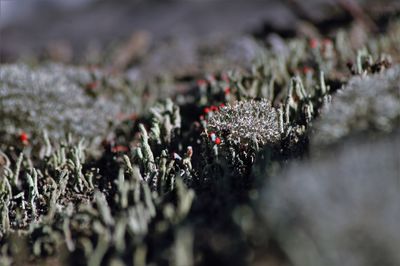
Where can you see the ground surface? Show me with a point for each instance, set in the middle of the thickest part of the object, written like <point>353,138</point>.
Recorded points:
<point>200,133</point>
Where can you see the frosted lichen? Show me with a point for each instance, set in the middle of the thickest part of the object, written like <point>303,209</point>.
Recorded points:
<point>341,207</point>
<point>365,104</point>
<point>33,100</point>
<point>246,122</point>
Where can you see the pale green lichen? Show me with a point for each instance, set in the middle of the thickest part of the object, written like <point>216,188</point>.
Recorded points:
<point>365,105</point>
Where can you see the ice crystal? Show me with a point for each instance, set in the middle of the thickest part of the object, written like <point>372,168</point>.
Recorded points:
<point>246,122</point>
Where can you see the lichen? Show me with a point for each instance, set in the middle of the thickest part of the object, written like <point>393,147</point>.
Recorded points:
<point>365,105</point>
<point>246,123</point>
<point>34,100</point>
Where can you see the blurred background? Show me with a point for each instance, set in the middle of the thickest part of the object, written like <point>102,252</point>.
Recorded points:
<point>150,37</point>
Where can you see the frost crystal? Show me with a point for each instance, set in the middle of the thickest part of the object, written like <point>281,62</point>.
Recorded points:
<point>246,122</point>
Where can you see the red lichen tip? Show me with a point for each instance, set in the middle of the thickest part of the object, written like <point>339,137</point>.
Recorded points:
<point>327,41</point>
<point>23,137</point>
<point>225,77</point>
<point>227,90</point>
<point>201,82</point>
<point>119,148</point>
<point>189,151</point>
<point>307,70</point>
<point>206,110</point>
<point>314,43</point>
<point>91,85</point>
<point>132,116</point>
<point>217,140</point>
<point>212,78</point>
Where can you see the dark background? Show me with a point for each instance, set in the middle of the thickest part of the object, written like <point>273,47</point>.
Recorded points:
<point>167,35</point>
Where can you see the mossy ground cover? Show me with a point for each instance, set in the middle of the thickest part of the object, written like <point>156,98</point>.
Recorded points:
<point>98,169</point>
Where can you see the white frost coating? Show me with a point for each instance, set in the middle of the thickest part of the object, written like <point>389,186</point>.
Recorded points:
<point>247,121</point>
<point>50,98</point>
<point>342,209</point>
<point>370,103</point>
